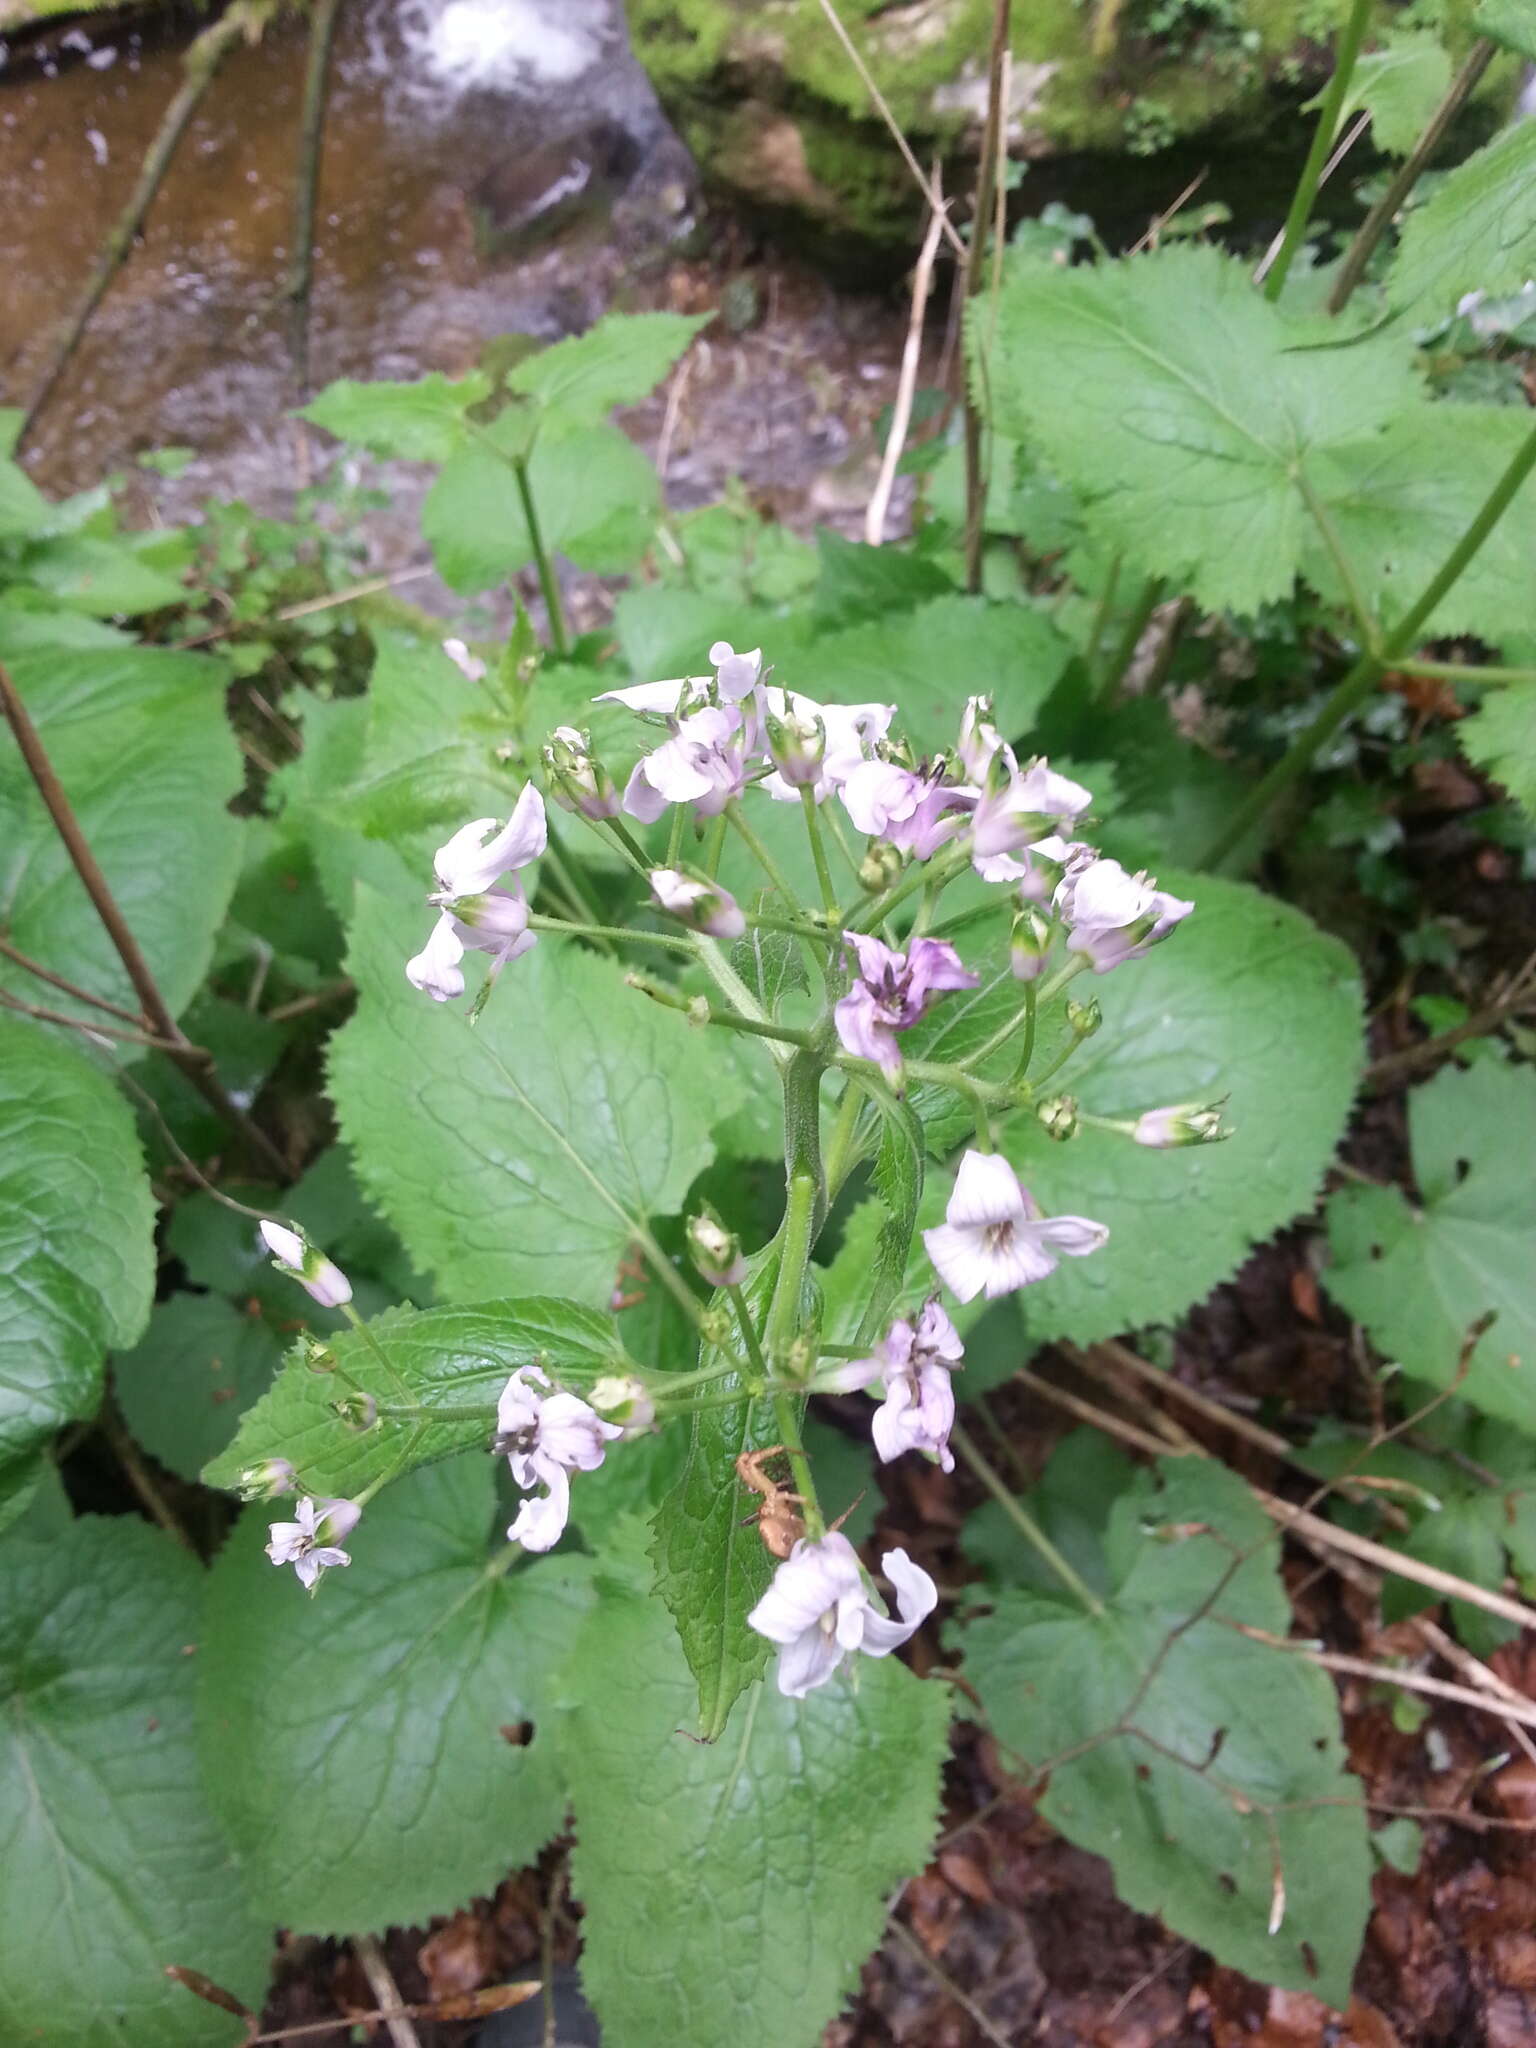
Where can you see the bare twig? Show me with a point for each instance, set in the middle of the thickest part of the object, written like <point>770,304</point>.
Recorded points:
<point>882,107</point>
<point>673,413</point>
<point>914,1948</point>
<point>1148,240</point>
<point>1267,261</point>
<point>89,1026</point>
<point>469,2005</point>
<point>196,1063</point>
<point>139,1476</point>
<point>317,999</point>
<point>201,63</point>
<point>392,2008</point>
<point>1517,994</point>
<point>1523,1712</point>
<point>976,472</point>
<point>69,988</point>
<point>301,262</point>
<point>1407,175</point>
<point>911,358</point>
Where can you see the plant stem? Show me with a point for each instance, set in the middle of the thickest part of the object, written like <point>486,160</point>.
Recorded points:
<point>840,1158</point>
<point>1027,1050</point>
<point>1023,1520</point>
<point>1296,220</point>
<point>1069,970</point>
<point>69,988</point>
<point>1465,672</point>
<point>672,942</point>
<point>548,581</point>
<point>975,275</point>
<point>87,1025</point>
<point>1124,652</point>
<point>402,1391</point>
<point>819,853</point>
<point>196,1063</point>
<point>779,1331</point>
<point>1343,567</point>
<point>1101,616</point>
<point>301,264</point>
<point>1381,215</point>
<point>760,853</point>
<point>1358,684</point>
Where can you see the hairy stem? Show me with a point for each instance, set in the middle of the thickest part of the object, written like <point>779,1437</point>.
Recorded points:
<point>549,583</point>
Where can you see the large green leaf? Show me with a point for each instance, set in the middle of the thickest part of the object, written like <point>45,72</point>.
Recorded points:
<point>513,1155</point>
<point>1247,1000</point>
<point>594,493</point>
<point>138,738</point>
<point>1400,500</point>
<point>456,1359</point>
<point>363,1749</point>
<point>1401,84</point>
<point>77,1260</point>
<point>110,1864</point>
<point>1500,737</point>
<point>1167,390</point>
<point>928,661</point>
<point>185,1385</point>
<point>1509,23</point>
<point>1229,1808</point>
<point>711,1565</point>
<point>1419,1278</point>
<point>422,421</point>
<point>733,1888</point>
<point>618,361</point>
<point>1476,233</point>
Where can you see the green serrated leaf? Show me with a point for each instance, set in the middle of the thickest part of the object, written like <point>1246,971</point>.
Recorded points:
<point>733,1888</point>
<point>861,582</point>
<point>24,510</point>
<point>1236,1783</point>
<point>1163,388</point>
<point>1247,1000</point>
<point>1420,1278</point>
<point>618,361</point>
<point>139,740</point>
<point>110,1864</point>
<point>515,1154</point>
<point>363,1749</point>
<point>711,1565</point>
<point>1477,231</point>
<point>77,1262</point>
<point>928,661</point>
<point>667,632</point>
<point>1401,84</point>
<point>184,1386</point>
<point>1500,738</point>
<point>1509,23</point>
<point>422,421</point>
<point>449,1358</point>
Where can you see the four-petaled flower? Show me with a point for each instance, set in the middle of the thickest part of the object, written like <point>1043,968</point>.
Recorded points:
<point>1018,806</point>
<point>915,1362</point>
<point>475,911</point>
<point>819,1607</point>
<point>703,763</point>
<point>547,1437</point>
<point>312,1541</point>
<point>891,992</point>
<point>995,1237</point>
<point>1114,916</point>
<point>916,809</point>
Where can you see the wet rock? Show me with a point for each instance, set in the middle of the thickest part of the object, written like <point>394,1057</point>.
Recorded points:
<point>537,193</point>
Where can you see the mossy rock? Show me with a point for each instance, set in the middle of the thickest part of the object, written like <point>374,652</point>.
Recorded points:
<point>780,123</point>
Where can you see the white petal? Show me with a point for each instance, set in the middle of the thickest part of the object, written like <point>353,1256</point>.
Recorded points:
<point>916,1594</point>
<point>662,697</point>
<point>573,1434</point>
<point>1019,1262</point>
<point>540,1521</point>
<point>807,1661</point>
<point>813,1578</point>
<point>470,863</point>
<point>283,1244</point>
<point>1077,1236</point>
<point>986,1191</point>
<point>435,969</point>
<point>959,1258</point>
<point>339,1517</point>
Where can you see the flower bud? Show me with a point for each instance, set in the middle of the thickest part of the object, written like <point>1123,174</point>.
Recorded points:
<point>577,781</point>
<point>800,1359</point>
<point>292,1253</point>
<point>702,905</point>
<point>267,1480</point>
<point>716,1326</point>
<point>698,1011</point>
<point>1083,1019</point>
<point>715,1251</point>
<point>317,1356</point>
<point>879,867</point>
<point>798,746</point>
<point>357,1410</point>
<point>498,913</point>
<point>1185,1123</point>
<point>623,1398</point>
<point>1059,1117</point>
<point>980,740</point>
<point>1030,943</point>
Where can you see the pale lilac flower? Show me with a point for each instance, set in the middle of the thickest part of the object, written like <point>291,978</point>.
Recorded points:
<point>914,808</point>
<point>1114,916</point>
<point>266,1480</point>
<point>1019,806</point>
<point>845,734</point>
<point>914,1362</point>
<point>292,1253</point>
<point>979,738</point>
<point>475,911</point>
<point>1037,869</point>
<point>995,1237</point>
<point>1182,1123</point>
<point>703,763</point>
<point>819,1607</point>
<point>736,677</point>
<point>892,991</point>
<point>469,666</point>
<point>703,906</point>
<point>545,1438</point>
<point>312,1541</point>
